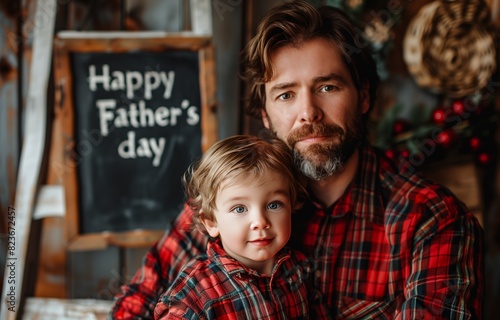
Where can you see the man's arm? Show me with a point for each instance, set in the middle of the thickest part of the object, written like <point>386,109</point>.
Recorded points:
<point>160,267</point>
<point>176,310</point>
<point>445,278</point>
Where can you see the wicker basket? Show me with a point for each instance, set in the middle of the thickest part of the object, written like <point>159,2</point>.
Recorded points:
<point>449,48</point>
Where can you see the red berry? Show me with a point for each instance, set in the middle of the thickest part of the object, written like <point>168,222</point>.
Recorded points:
<point>445,138</point>
<point>475,143</point>
<point>438,116</point>
<point>400,126</point>
<point>391,154</point>
<point>458,107</point>
<point>484,158</point>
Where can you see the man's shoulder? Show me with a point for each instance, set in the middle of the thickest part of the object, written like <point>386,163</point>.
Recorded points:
<point>289,257</point>
<point>200,267</point>
<point>187,289</point>
<point>404,186</point>
<point>196,276</point>
<point>399,174</point>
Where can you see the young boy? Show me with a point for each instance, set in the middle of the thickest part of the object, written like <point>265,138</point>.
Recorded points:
<point>242,193</point>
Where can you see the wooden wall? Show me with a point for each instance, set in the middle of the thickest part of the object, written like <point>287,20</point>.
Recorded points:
<point>98,274</point>
<point>16,37</point>
<point>9,106</point>
<point>93,274</point>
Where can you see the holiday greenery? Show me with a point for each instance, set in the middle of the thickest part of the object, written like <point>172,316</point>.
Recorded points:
<point>455,127</point>
<point>458,128</point>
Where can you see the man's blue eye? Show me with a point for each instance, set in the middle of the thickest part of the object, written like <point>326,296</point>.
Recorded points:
<point>327,88</point>
<point>284,96</point>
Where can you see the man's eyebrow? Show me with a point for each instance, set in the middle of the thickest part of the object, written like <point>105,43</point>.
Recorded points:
<point>331,77</point>
<point>282,86</point>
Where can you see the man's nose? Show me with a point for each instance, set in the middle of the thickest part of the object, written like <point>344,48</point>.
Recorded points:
<point>310,111</point>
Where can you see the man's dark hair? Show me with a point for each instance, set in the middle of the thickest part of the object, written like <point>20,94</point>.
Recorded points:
<point>298,22</point>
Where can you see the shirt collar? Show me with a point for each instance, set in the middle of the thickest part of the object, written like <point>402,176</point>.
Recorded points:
<point>233,266</point>
<point>366,195</point>
<point>362,197</point>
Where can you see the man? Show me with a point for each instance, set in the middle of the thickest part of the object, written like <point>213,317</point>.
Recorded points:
<point>386,244</point>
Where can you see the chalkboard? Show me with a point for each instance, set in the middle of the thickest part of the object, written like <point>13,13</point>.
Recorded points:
<point>137,110</point>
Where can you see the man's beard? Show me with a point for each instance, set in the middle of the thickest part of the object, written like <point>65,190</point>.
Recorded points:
<point>321,160</point>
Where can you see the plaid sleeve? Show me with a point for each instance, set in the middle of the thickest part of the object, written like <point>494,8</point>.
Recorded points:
<point>175,311</point>
<point>445,277</point>
<point>160,267</point>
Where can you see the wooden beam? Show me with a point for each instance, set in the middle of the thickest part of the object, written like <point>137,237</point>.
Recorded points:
<point>76,309</point>
<point>31,160</point>
<point>201,17</point>
<point>9,107</point>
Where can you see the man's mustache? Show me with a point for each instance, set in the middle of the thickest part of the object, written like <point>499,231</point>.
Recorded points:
<point>313,130</point>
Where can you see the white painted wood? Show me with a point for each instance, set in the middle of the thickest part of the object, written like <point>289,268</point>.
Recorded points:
<point>61,309</point>
<point>50,202</point>
<point>31,153</point>
<point>120,34</point>
<point>201,17</point>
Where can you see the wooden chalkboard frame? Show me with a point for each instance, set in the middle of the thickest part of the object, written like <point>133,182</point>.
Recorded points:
<point>68,42</point>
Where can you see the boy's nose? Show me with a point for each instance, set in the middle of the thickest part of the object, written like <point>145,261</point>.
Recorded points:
<point>260,222</point>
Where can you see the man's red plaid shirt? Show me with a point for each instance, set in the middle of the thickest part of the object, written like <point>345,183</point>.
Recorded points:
<point>394,246</point>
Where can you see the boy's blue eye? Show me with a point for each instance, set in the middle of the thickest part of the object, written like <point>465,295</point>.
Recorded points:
<point>239,209</point>
<point>275,205</point>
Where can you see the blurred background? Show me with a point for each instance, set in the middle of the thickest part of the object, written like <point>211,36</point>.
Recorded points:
<point>437,106</point>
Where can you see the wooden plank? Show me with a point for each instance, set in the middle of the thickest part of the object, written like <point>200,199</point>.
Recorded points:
<point>126,41</point>
<point>61,309</point>
<point>492,232</point>
<point>94,15</point>
<point>31,159</point>
<point>171,15</point>
<point>14,58</point>
<point>201,17</point>
<point>463,180</point>
<point>51,272</point>
<point>70,42</point>
<point>77,35</point>
<point>9,107</point>
<point>495,11</point>
<point>208,96</point>
<point>51,267</point>
<point>100,241</point>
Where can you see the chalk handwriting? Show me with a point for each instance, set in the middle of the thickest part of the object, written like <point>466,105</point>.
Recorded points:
<point>135,113</point>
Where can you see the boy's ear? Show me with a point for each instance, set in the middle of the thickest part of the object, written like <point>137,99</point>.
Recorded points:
<point>210,225</point>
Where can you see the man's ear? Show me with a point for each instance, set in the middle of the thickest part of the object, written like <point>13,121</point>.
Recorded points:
<point>364,97</point>
<point>265,118</point>
<point>210,225</point>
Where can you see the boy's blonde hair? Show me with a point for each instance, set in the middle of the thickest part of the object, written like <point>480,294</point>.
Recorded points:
<point>239,156</point>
